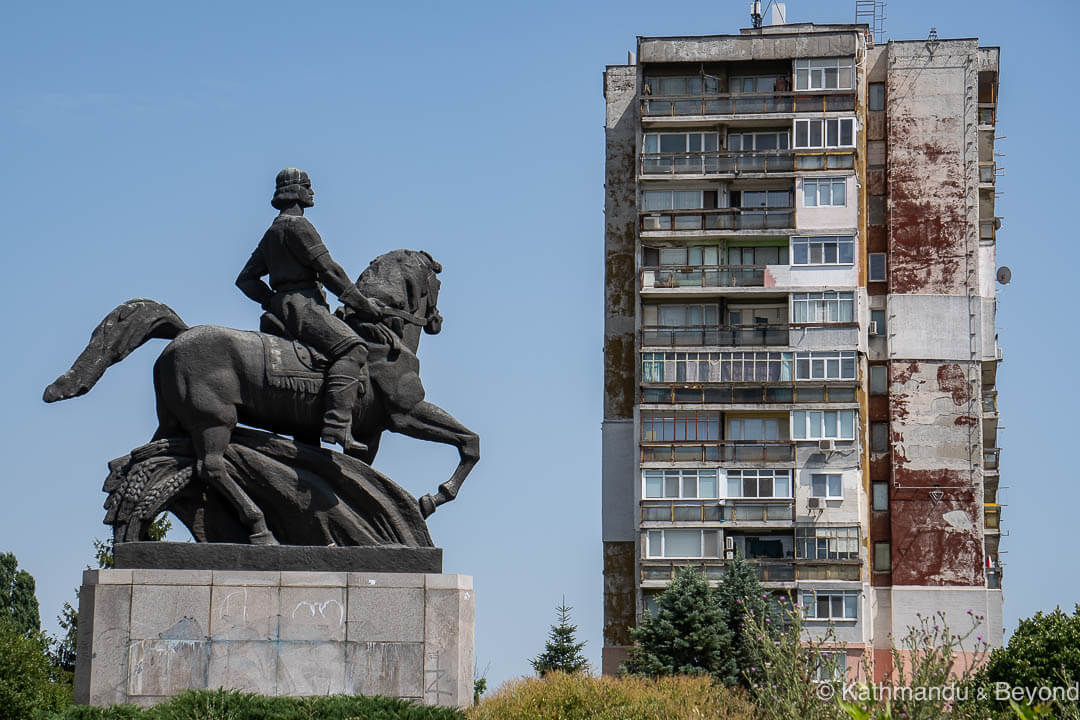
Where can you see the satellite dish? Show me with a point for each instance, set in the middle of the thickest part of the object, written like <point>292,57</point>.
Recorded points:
<point>1004,275</point>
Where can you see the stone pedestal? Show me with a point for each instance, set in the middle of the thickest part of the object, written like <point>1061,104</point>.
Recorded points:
<point>145,635</point>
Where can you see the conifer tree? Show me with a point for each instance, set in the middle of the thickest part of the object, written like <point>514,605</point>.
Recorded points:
<point>688,635</point>
<point>17,599</point>
<point>562,651</point>
<point>740,594</point>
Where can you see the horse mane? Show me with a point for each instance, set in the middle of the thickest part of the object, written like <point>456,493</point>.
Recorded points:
<point>394,277</point>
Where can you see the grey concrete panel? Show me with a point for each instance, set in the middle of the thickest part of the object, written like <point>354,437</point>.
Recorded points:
<point>620,480</point>
<point>728,48</point>
<point>377,614</point>
<point>245,666</point>
<point>101,672</point>
<point>244,612</point>
<point>923,327</point>
<point>174,611</point>
<point>403,580</point>
<point>235,556</point>
<point>160,666</point>
<point>313,613</point>
<point>311,668</point>
<point>449,619</point>
<point>393,669</point>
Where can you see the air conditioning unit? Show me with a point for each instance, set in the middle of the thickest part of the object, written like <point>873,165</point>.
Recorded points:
<point>873,328</point>
<point>826,445</point>
<point>651,222</point>
<point>813,503</point>
<point>729,543</point>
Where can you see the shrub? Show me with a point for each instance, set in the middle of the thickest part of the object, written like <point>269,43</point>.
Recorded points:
<point>559,696</point>
<point>26,676</point>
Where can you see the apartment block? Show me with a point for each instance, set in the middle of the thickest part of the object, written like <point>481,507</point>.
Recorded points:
<point>800,350</point>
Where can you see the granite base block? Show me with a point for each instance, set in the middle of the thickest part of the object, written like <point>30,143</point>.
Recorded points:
<point>146,635</point>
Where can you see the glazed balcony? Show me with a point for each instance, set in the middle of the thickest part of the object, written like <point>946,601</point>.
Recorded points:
<point>659,572</point>
<point>781,393</point>
<point>717,451</point>
<point>756,511</point>
<point>733,104</point>
<point>755,335</point>
<point>771,162</point>
<point>703,276</point>
<point>702,220</point>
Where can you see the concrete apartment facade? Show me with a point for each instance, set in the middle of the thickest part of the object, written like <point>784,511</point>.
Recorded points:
<point>800,350</point>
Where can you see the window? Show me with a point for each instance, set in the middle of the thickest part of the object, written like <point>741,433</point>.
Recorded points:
<point>753,429</point>
<point>673,427</point>
<point>827,133</point>
<point>673,199</point>
<point>680,484</point>
<point>683,543</point>
<point>877,267</point>
<point>879,437</point>
<point>831,604</point>
<point>825,192</point>
<point>823,250</point>
<point>826,543</point>
<point>878,318</point>
<point>761,198</point>
<point>879,380</point>
<point>827,485</point>
<point>823,307</point>
<point>823,424</point>
<point>823,73</point>
<point>680,315</point>
<point>716,367</point>
<point>877,96</point>
<point>825,365</point>
<point>882,557</point>
<point>682,256</point>
<point>681,142</point>
<point>831,666</point>
<point>881,496</point>
<point>757,255</point>
<point>759,483</point>
<point>684,85</point>
<point>768,140</point>
<point>757,84</point>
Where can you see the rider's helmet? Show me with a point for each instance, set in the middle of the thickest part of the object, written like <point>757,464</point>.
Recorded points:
<point>287,187</point>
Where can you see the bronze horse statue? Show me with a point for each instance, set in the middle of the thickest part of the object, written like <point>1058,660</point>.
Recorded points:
<point>208,379</point>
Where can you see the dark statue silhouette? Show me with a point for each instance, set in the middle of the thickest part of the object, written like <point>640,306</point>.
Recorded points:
<point>238,484</point>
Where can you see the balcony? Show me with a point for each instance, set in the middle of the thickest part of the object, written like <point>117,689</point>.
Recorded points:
<point>991,459</point>
<point>748,394</point>
<point>669,106</point>
<point>713,451</point>
<point>760,510</point>
<point>655,572</point>
<point>698,276</point>
<point>719,219</point>
<point>756,335</point>
<point>737,163</point>
<point>992,517</point>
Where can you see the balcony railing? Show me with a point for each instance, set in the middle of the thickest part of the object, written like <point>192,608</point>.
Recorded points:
<point>743,510</point>
<point>729,104</point>
<point>720,219</point>
<point>989,403</point>
<point>713,569</point>
<point>719,162</point>
<point>991,459</point>
<point>748,394</point>
<point>724,451</point>
<point>992,516</point>
<point>684,276</point>
<point>759,334</point>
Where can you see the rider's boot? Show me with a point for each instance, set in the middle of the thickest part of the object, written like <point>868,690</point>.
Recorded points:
<point>344,383</point>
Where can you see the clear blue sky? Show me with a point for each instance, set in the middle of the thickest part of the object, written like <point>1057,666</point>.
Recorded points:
<point>139,145</point>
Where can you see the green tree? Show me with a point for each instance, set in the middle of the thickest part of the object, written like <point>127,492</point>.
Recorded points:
<point>17,599</point>
<point>689,635</point>
<point>741,595</point>
<point>1044,651</point>
<point>27,678</point>
<point>562,651</point>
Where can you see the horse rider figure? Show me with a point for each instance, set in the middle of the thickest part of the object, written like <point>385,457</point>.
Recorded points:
<point>293,254</point>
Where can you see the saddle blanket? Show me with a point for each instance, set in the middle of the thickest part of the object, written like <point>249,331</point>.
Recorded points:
<point>291,365</point>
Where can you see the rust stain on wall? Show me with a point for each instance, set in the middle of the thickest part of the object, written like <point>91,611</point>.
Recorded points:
<point>619,376</point>
<point>620,589</point>
<point>935,543</point>
<point>951,379</point>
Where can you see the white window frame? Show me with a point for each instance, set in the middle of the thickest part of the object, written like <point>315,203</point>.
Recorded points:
<point>834,485</point>
<point>830,131</point>
<point>825,365</point>
<point>812,609</point>
<point>827,543</point>
<point>823,307</point>
<point>681,476</point>
<point>662,534</point>
<point>783,476</point>
<point>691,366</point>
<point>820,242</point>
<point>819,185</point>
<point>813,73</point>
<point>802,424</point>
<point>834,660</point>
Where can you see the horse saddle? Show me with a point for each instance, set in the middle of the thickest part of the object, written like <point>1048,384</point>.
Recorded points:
<point>290,364</point>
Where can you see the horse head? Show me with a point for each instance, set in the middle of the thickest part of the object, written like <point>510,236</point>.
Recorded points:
<point>406,281</point>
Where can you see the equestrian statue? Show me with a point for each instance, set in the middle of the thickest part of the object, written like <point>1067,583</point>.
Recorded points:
<point>339,377</point>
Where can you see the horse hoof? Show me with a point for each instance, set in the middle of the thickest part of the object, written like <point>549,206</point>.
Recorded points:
<point>427,506</point>
<point>262,538</point>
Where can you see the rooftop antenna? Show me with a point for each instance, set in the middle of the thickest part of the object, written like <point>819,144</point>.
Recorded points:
<point>932,41</point>
<point>872,13</point>
<point>755,13</point>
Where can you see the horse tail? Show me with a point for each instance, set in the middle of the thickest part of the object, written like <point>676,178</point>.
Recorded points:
<point>123,330</point>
